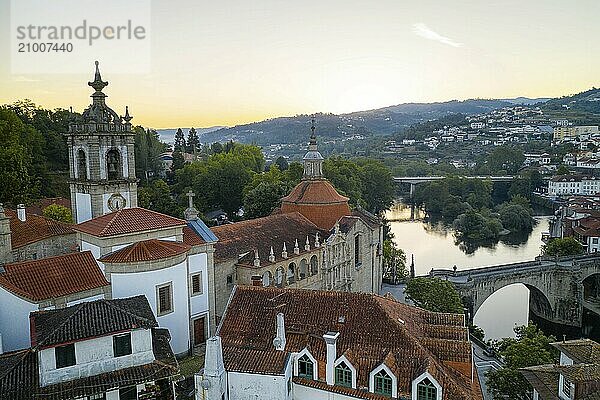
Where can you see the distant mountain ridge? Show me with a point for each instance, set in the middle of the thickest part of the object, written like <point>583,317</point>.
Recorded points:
<point>387,120</point>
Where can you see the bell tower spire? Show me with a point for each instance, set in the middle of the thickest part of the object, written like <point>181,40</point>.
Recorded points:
<point>313,160</point>
<point>101,158</point>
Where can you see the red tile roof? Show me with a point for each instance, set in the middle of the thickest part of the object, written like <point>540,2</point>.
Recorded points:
<point>53,277</point>
<point>318,201</point>
<point>373,330</point>
<point>262,233</point>
<point>146,250</point>
<point>128,220</point>
<point>192,238</point>
<point>34,229</point>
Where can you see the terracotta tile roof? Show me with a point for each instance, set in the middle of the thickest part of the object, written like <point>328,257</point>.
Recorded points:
<point>53,277</point>
<point>318,201</point>
<point>262,233</point>
<point>373,330</point>
<point>19,376</point>
<point>146,250</point>
<point>191,238</point>
<point>128,220</point>
<point>34,229</point>
<point>90,319</point>
<point>581,350</point>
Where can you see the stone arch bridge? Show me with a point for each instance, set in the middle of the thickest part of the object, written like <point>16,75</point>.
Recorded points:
<point>560,289</point>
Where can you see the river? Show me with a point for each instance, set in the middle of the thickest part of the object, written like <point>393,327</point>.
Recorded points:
<point>433,246</point>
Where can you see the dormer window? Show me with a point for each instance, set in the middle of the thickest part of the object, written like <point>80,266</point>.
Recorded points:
<point>343,375</point>
<point>426,390</point>
<point>306,367</point>
<point>383,383</point>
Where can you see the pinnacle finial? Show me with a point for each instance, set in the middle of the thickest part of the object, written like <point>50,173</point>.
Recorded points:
<point>127,117</point>
<point>313,137</point>
<point>98,84</point>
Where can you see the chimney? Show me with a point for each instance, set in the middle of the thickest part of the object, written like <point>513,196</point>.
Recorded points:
<point>5,238</point>
<point>330,341</point>
<point>279,341</point>
<point>21,212</point>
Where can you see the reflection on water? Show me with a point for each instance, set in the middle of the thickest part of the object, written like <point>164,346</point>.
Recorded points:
<point>434,245</point>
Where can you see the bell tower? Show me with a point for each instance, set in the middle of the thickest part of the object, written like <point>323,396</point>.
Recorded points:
<point>101,158</point>
<point>313,160</point>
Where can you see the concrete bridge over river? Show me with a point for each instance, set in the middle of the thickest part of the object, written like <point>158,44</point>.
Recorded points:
<point>415,180</point>
<point>562,290</point>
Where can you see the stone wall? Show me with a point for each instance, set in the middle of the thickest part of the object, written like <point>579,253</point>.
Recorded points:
<point>54,246</point>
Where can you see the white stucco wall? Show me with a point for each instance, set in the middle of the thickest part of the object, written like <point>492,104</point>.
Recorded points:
<point>84,207</point>
<point>95,252</point>
<point>91,298</point>
<point>95,356</point>
<point>243,386</point>
<point>14,321</point>
<point>198,264</point>
<point>306,393</point>
<point>119,246</point>
<point>144,283</point>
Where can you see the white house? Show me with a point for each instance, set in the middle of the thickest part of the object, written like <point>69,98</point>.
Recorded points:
<point>44,284</point>
<point>306,344</point>
<point>164,258</point>
<point>576,377</point>
<point>105,349</point>
<point>567,185</point>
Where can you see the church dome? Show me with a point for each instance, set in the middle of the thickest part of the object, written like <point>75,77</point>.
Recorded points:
<point>315,197</point>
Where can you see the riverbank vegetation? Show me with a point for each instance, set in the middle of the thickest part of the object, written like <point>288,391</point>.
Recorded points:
<point>561,247</point>
<point>478,215</point>
<point>530,347</point>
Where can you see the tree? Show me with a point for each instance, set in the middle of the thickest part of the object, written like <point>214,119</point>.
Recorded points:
<point>530,347</point>
<point>378,186</point>
<point>179,141</point>
<point>192,141</point>
<point>434,294</point>
<point>505,158</point>
<point>157,197</point>
<point>562,247</point>
<point>20,183</point>
<point>562,170</point>
<point>148,148</point>
<point>57,212</point>
<point>264,198</point>
<point>394,261</point>
<point>476,227</point>
<point>281,163</point>
<point>516,217</point>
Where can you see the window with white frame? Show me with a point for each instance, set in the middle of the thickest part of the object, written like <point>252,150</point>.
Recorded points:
<point>306,367</point>
<point>383,383</point>
<point>164,299</point>
<point>343,375</point>
<point>426,390</point>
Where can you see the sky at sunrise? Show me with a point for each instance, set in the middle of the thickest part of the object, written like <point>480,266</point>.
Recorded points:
<point>231,62</point>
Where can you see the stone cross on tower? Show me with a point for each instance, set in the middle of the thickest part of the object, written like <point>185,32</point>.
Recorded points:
<point>190,213</point>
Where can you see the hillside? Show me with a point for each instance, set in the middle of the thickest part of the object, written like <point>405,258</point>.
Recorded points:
<point>378,122</point>
<point>581,108</point>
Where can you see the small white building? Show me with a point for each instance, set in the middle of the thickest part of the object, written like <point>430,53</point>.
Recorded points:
<point>45,284</point>
<point>278,344</point>
<point>568,185</point>
<point>105,349</point>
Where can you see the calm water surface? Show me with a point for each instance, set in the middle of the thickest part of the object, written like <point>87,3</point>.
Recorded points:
<point>434,246</point>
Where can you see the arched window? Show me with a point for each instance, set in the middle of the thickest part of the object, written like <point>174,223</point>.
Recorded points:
<point>81,165</point>
<point>113,165</point>
<point>291,273</point>
<point>383,383</point>
<point>426,390</point>
<point>267,279</point>
<point>314,265</point>
<point>279,276</point>
<point>303,269</point>
<point>343,375</point>
<point>306,367</point>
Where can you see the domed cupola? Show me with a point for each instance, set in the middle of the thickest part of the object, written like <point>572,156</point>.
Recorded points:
<point>314,197</point>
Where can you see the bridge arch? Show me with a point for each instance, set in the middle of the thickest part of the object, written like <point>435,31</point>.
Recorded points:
<point>482,291</point>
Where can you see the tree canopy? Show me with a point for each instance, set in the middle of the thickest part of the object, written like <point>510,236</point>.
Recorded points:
<point>530,347</point>
<point>434,294</point>
<point>560,247</point>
